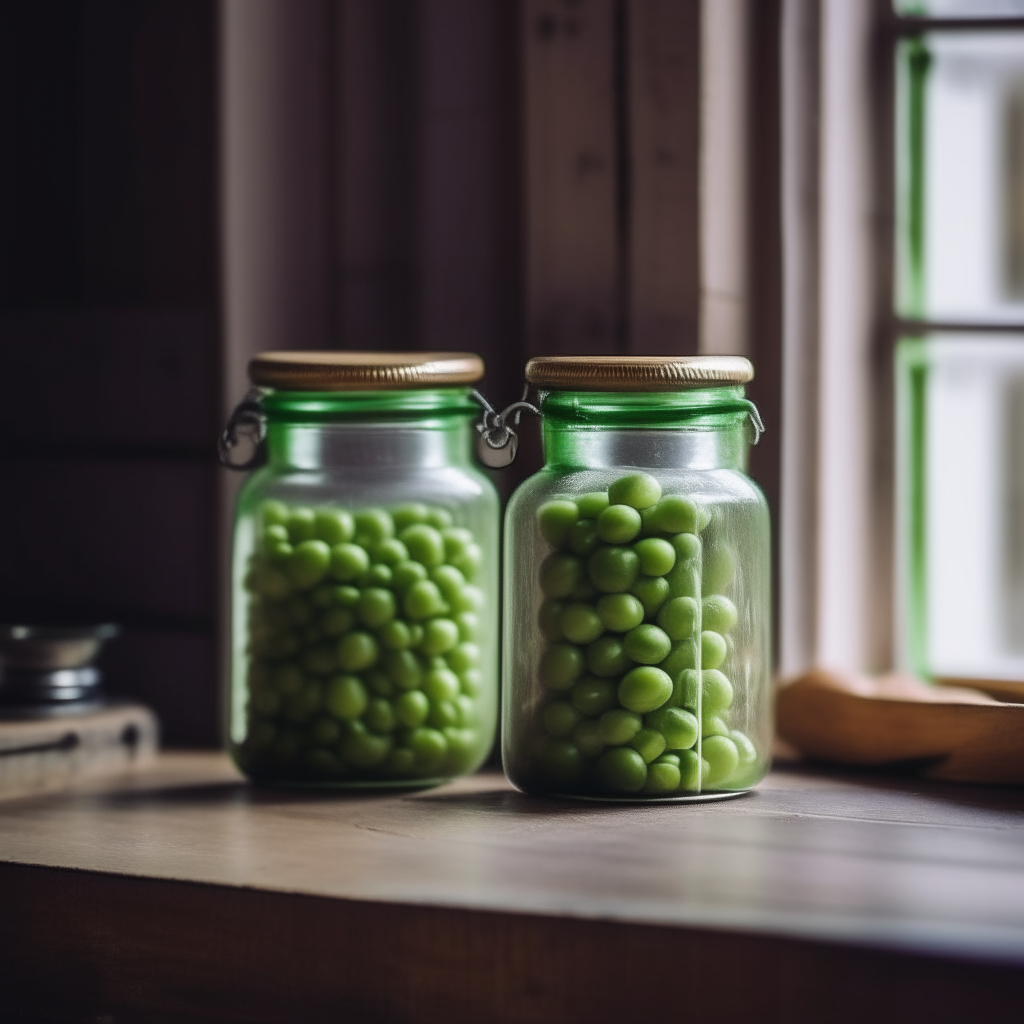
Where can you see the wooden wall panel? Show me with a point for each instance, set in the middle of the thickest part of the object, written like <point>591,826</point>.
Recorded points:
<point>663,102</point>
<point>573,279</point>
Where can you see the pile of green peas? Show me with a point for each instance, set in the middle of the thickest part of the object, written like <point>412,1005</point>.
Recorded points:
<point>638,625</point>
<point>363,662</point>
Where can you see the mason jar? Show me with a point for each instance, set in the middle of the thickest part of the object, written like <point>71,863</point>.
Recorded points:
<point>637,610</point>
<point>365,575</point>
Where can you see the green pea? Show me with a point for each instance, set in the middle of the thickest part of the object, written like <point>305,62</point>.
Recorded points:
<point>274,513</point>
<point>651,591</point>
<point>607,657</point>
<point>618,524</point>
<point>390,552</point>
<point>423,600</point>
<point>685,688</point>
<point>662,778</point>
<point>334,526</point>
<point>468,714</point>
<point>619,726</point>
<point>584,592</point>
<point>380,716</point>
<point>719,568</point>
<point>429,747</point>
<point>718,613</point>
<point>560,718</point>
<point>647,644</point>
<point>450,581</point>
<point>675,514</point>
<point>691,768</point>
<point>716,691</point>
<point>279,553</point>
<point>357,651</point>
<point>712,649</point>
<point>686,546</point>
<point>639,490</point>
<point>587,738</point>
<point>649,744</point>
<point>379,682</point>
<point>682,656</point>
<point>582,539</point>
<point>592,505</point>
<point>560,666</point>
<point>469,561</point>
<point>620,612</point>
<point>612,569</point>
<point>415,633</point>
<point>644,689</point>
<point>376,607</point>
<point>308,563</point>
<point>408,515</point>
<point>549,618</point>
<point>559,574</point>
<point>657,556</point>
<point>412,708</point>
<point>301,525</point>
<point>469,625</point>
<point>405,574</point>
<point>424,543</point>
<point>471,599</point>
<point>592,696</point>
<point>713,725</point>
<point>444,714</point>
<point>580,623</point>
<point>456,540</point>
<point>471,682</point>
<point>439,636</point>
<point>679,727</point>
<point>288,679</point>
<point>276,534</point>
<point>463,656</point>
<point>365,749</point>
<point>395,635</point>
<point>378,575</point>
<point>400,763</point>
<point>745,749</point>
<point>403,669</point>
<point>555,519</point>
<point>375,524</point>
<point>678,617</point>
<point>561,762</point>
<point>439,518</point>
<point>441,684</point>
<point>722,757</point>
<point>346,596</point>
<point>320,659</point>
<point>348,561</point>
<point>622,770</point>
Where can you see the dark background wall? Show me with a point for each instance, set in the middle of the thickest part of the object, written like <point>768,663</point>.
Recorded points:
<point>487,177</point>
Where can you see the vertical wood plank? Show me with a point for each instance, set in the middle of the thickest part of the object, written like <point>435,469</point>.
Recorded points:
<point>571,248</point>
<point>663,80</point>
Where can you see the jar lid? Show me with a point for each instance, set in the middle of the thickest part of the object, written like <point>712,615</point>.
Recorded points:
<point>637,373</point>
<point>363,371</point>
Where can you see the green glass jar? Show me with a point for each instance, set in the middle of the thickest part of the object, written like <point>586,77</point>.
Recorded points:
<point>637,586</point>
<point>365,575</point>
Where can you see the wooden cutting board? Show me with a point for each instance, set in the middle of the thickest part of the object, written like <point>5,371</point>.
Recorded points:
<point>48,754</point>
<point>942,732</point>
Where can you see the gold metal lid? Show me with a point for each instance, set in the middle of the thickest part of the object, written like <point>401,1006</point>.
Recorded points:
<point>363,371</point>
<point>637,373</point>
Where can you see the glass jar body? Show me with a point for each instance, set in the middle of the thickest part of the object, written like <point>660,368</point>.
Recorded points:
<point>637,608</point>
<point>365,604</point>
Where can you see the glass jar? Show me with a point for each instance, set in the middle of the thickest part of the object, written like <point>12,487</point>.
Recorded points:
<point>365,575</point>
<point>637,586</point>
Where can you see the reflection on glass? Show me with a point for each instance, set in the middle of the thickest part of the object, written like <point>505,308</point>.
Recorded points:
<point>960,505</point>
<point>960,8</point>
<point>961,176</point>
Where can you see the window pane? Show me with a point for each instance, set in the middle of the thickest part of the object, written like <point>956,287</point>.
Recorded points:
<point>961,176</point>
<point>960,8</point>
<point>960,505</point>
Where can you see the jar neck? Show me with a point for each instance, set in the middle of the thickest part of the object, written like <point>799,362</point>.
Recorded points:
<point>701,429</point>
<point>382,430</point>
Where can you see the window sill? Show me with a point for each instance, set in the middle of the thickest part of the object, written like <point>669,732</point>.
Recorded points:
<point>179,892</point>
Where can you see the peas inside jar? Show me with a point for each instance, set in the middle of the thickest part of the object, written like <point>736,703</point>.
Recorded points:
<point>636,661</point>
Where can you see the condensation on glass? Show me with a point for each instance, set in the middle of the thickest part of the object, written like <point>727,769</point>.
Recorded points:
<point>365,576</point>
<point>636,657</point>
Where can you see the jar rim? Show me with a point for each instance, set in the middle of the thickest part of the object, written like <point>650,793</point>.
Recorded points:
<point>637,373</point>
<point>363,371</point>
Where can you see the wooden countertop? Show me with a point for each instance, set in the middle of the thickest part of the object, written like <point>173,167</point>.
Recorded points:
<point>182,893</point>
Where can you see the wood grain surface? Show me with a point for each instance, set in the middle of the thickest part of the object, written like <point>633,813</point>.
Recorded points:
<point>185,894</point>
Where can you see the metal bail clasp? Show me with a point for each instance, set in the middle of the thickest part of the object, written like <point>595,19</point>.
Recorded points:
<point>497,441</point>
<point>248,420</point>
